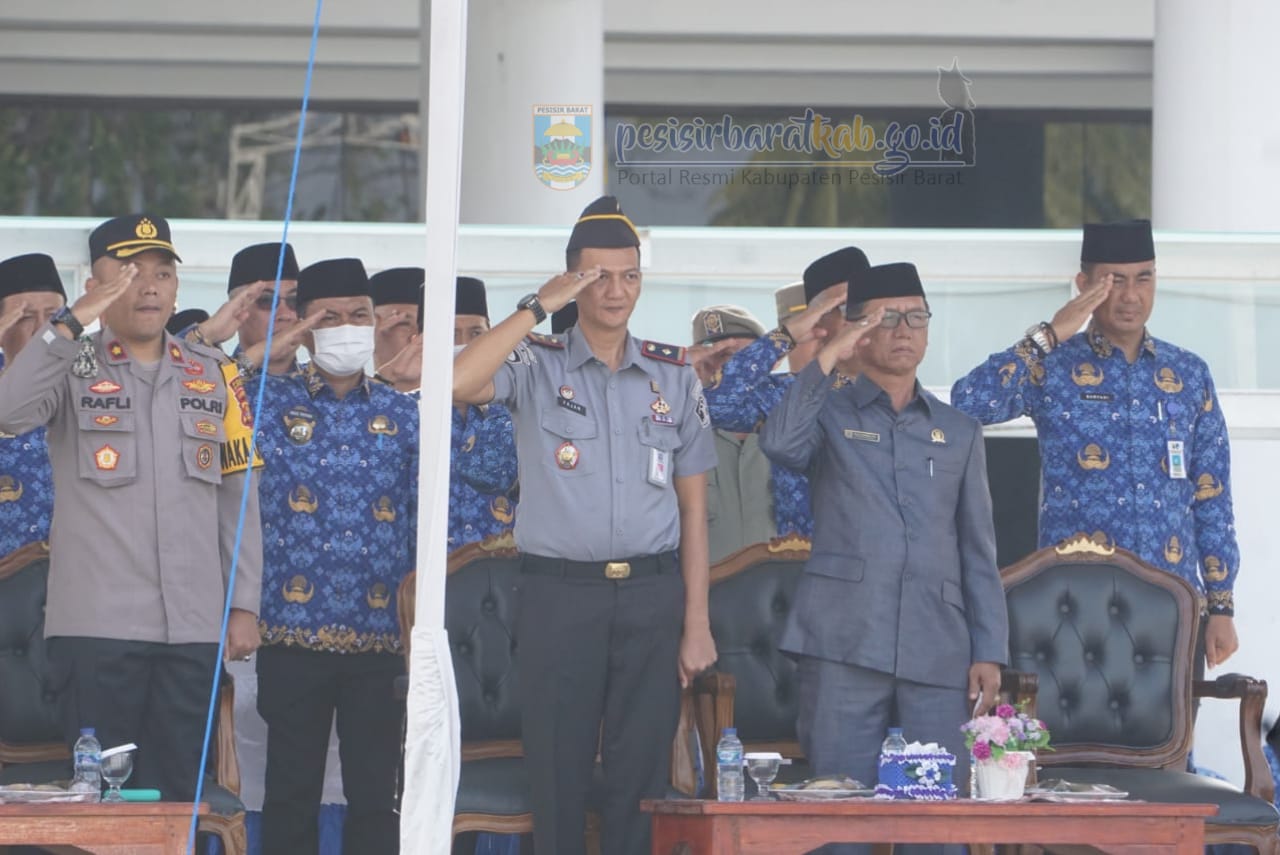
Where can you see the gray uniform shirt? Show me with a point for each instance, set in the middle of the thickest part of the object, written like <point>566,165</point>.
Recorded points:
<point>144,520</point>
<point>599,451</point>
<point>902,577</point>
<point>739,497</point>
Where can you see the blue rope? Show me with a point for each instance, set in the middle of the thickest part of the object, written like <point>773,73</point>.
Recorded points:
<point>253,436</point>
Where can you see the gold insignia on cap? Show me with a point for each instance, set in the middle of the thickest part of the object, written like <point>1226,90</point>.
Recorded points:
<point>379,596</point>
<point>712,323</point>
<point>1173,550</point>
<point>10,489</point>
<point>383,425</point>
<point>298,590</point>
<point>384,510</point>
<point>1214,569</point>
<point>1207,487</point>
<point>1093,456</point>
<point>302,500</point>
<point>1087,374</point>
<point>936,435</point>
<point>145,229</point>
<point>500,508</point>
<point>1167,380</point>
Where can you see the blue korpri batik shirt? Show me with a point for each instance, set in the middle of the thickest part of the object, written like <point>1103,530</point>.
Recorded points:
<point>26,488</point>
<point>338,499</point>
<point>482,475</point>
<point>1105,426</point>
<point>740,397</point>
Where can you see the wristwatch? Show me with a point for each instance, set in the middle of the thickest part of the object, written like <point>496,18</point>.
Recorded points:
<point>1042,337</point>
<point>68,319</point>
<point>531,302</point>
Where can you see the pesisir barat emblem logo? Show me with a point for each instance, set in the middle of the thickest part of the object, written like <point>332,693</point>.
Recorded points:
<point>562,144</point>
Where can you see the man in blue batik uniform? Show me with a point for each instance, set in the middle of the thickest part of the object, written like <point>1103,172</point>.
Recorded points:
<point>30,293</point>
<point>1133,444</point>
<point>744,389</point>
<point>338,496</point>
<point>482,458</point>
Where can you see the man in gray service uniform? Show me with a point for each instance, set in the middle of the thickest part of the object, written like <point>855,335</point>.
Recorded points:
<point>613,441</point>
<point>900,613</point>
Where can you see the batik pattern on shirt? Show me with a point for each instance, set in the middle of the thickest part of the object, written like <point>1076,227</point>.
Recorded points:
<point>739,398</point>
<point>26,488</point>
<point>482,475</point>
<point>1105,427</point>
<point>339,512</point>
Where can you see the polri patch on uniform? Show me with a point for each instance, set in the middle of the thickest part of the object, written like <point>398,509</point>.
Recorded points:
<point>204,456</point>
<point>567,456</point>
<point>105,387</point>
<point>571,406</point>
<point>106,458</point>
<point>1097,396</point>
<point>864,435</point>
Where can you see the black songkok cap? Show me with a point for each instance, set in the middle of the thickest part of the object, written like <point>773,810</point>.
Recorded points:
<point>184,320</point>
<point>257,263</point>
<point>832,269</point>
<point>899,279</point>
<point>1117,243</point>
<point>25,273</point>
<point>469,297</point>
<point>336,277</point>
<point>565,318</point>
<point>603,226</point>
<point>397,285</point>
<point>125,237</point>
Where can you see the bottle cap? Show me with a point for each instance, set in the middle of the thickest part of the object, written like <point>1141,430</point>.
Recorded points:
<point>87,731</point>
<point>730,731</point>
<point>896,730</point>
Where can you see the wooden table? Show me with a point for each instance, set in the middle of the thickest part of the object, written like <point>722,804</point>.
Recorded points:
<point>788,828</point>
<point>132,828</point>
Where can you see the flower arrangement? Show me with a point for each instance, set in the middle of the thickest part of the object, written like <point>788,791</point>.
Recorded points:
<point>1010,729</point>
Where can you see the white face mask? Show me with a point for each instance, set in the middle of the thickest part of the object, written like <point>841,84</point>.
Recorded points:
<point>457,348</point>
<point>343,351</point>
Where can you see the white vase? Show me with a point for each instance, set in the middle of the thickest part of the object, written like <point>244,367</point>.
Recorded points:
<point>1004,779</point>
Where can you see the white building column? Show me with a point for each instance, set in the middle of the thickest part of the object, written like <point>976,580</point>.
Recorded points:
<point>521,54</point>
<point>1215,122</point>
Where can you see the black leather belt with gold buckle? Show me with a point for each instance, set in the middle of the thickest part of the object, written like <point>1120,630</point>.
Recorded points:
<point>613,571</point>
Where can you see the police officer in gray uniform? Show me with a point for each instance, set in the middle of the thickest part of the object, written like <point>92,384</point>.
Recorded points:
<point>900,615</point>
<point>613,442</point>
<point>147,494</point>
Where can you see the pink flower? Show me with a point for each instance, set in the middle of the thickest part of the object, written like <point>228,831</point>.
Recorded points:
<point>1006,711</point>
<point>981,750</point>
<point>1012,761</point>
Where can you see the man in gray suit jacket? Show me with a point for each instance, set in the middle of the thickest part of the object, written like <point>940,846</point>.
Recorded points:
<point>899,614</point>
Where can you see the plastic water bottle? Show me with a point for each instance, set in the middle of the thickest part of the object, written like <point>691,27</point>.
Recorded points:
<point>894,743</point>
<point>729,783</point>
<point>88,758</point>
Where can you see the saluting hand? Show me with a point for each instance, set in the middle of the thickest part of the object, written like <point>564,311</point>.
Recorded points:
<point>559,291</point>
<point>225,322</point>
<point>707,359</point>
<point>803,327</point>
<point>1070,318</point>
<point>405,366</point>
<point>283,343</point>
<point>98,298</point>
<point>846,342</point>
<point>13,316</point>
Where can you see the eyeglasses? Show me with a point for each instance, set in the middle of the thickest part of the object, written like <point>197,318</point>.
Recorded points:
<point>916,319</point>
<point>264,302</point>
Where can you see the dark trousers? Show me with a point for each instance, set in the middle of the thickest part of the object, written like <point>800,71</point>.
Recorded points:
<point>592,652</point>
<point>844,713</point>
<point>153,695</point>
<point>298,693</point>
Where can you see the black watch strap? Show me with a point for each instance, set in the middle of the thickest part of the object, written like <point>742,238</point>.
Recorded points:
<point>68,319</point>
<point>533,304</point>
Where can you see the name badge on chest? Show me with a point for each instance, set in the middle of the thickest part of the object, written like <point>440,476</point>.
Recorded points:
<point>659,467</point>
<point>1177,459</point>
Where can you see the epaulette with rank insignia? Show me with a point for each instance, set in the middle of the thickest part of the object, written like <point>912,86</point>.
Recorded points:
<point>556,342</point>
<point>663,352</point>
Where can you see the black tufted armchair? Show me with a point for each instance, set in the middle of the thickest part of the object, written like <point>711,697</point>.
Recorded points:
<point>754,685</point>
<point>1112,641</point>
<point>31,746</point>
